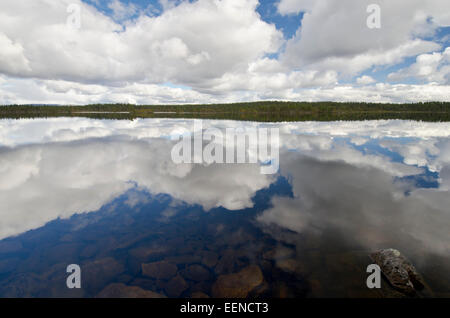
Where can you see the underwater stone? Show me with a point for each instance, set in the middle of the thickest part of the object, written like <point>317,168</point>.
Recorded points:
<point>159,270</point>
<point>400,273</point>
<point>119,290</point>
<point>238,285</point>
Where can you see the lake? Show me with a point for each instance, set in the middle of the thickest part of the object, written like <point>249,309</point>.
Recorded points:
<point>107,195</point>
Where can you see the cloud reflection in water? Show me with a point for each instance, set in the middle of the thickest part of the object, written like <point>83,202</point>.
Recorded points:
<point>356,182</point>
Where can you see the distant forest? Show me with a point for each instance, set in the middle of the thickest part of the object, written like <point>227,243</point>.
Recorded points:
<point>272,111</point>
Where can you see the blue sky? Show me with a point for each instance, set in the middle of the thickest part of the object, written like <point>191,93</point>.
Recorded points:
<point>266,8</point>
<point>141,5</point>
<point>186,51</point>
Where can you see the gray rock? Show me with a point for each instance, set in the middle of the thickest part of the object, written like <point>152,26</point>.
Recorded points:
<point>400,273</point>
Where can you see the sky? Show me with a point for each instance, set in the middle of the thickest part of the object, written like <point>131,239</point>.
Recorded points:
<point>219,51</point>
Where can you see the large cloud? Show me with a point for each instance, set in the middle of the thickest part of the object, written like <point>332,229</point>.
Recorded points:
<point>42,182</point>
<point>334,34</point>
<point>190,42</point>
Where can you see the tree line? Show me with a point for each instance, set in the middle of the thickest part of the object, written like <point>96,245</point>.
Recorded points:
<point>258,111</point>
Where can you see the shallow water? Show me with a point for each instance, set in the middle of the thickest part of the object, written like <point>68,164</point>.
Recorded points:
<point>107,195</point>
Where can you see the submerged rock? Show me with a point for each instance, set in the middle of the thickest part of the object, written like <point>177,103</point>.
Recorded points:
<point>282,290</point>
<point>119,290</point>
<point>176,286</point>
<point>196,273</point>
<point>261,291</point>
<point>144,252</point>
<point>97,273</point>
<point>278,253</point>
<point>238,285</point>
<point>209,259</point>
<point>227,263</point>
<point>159,270</point>
<point>400,273</point>
<point>291,266</point>
<point>199,295</point>
<point>183,259</point>
<point>145,283</point>
<point>204,287</point>
<point>23,285</point>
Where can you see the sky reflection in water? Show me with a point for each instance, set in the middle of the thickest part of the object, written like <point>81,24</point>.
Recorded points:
<point>344,189</point>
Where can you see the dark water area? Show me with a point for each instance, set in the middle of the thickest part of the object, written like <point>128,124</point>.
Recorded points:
<point>106,195</point>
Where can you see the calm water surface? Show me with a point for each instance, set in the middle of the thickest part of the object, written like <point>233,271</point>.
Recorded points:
<point>106,195</point>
